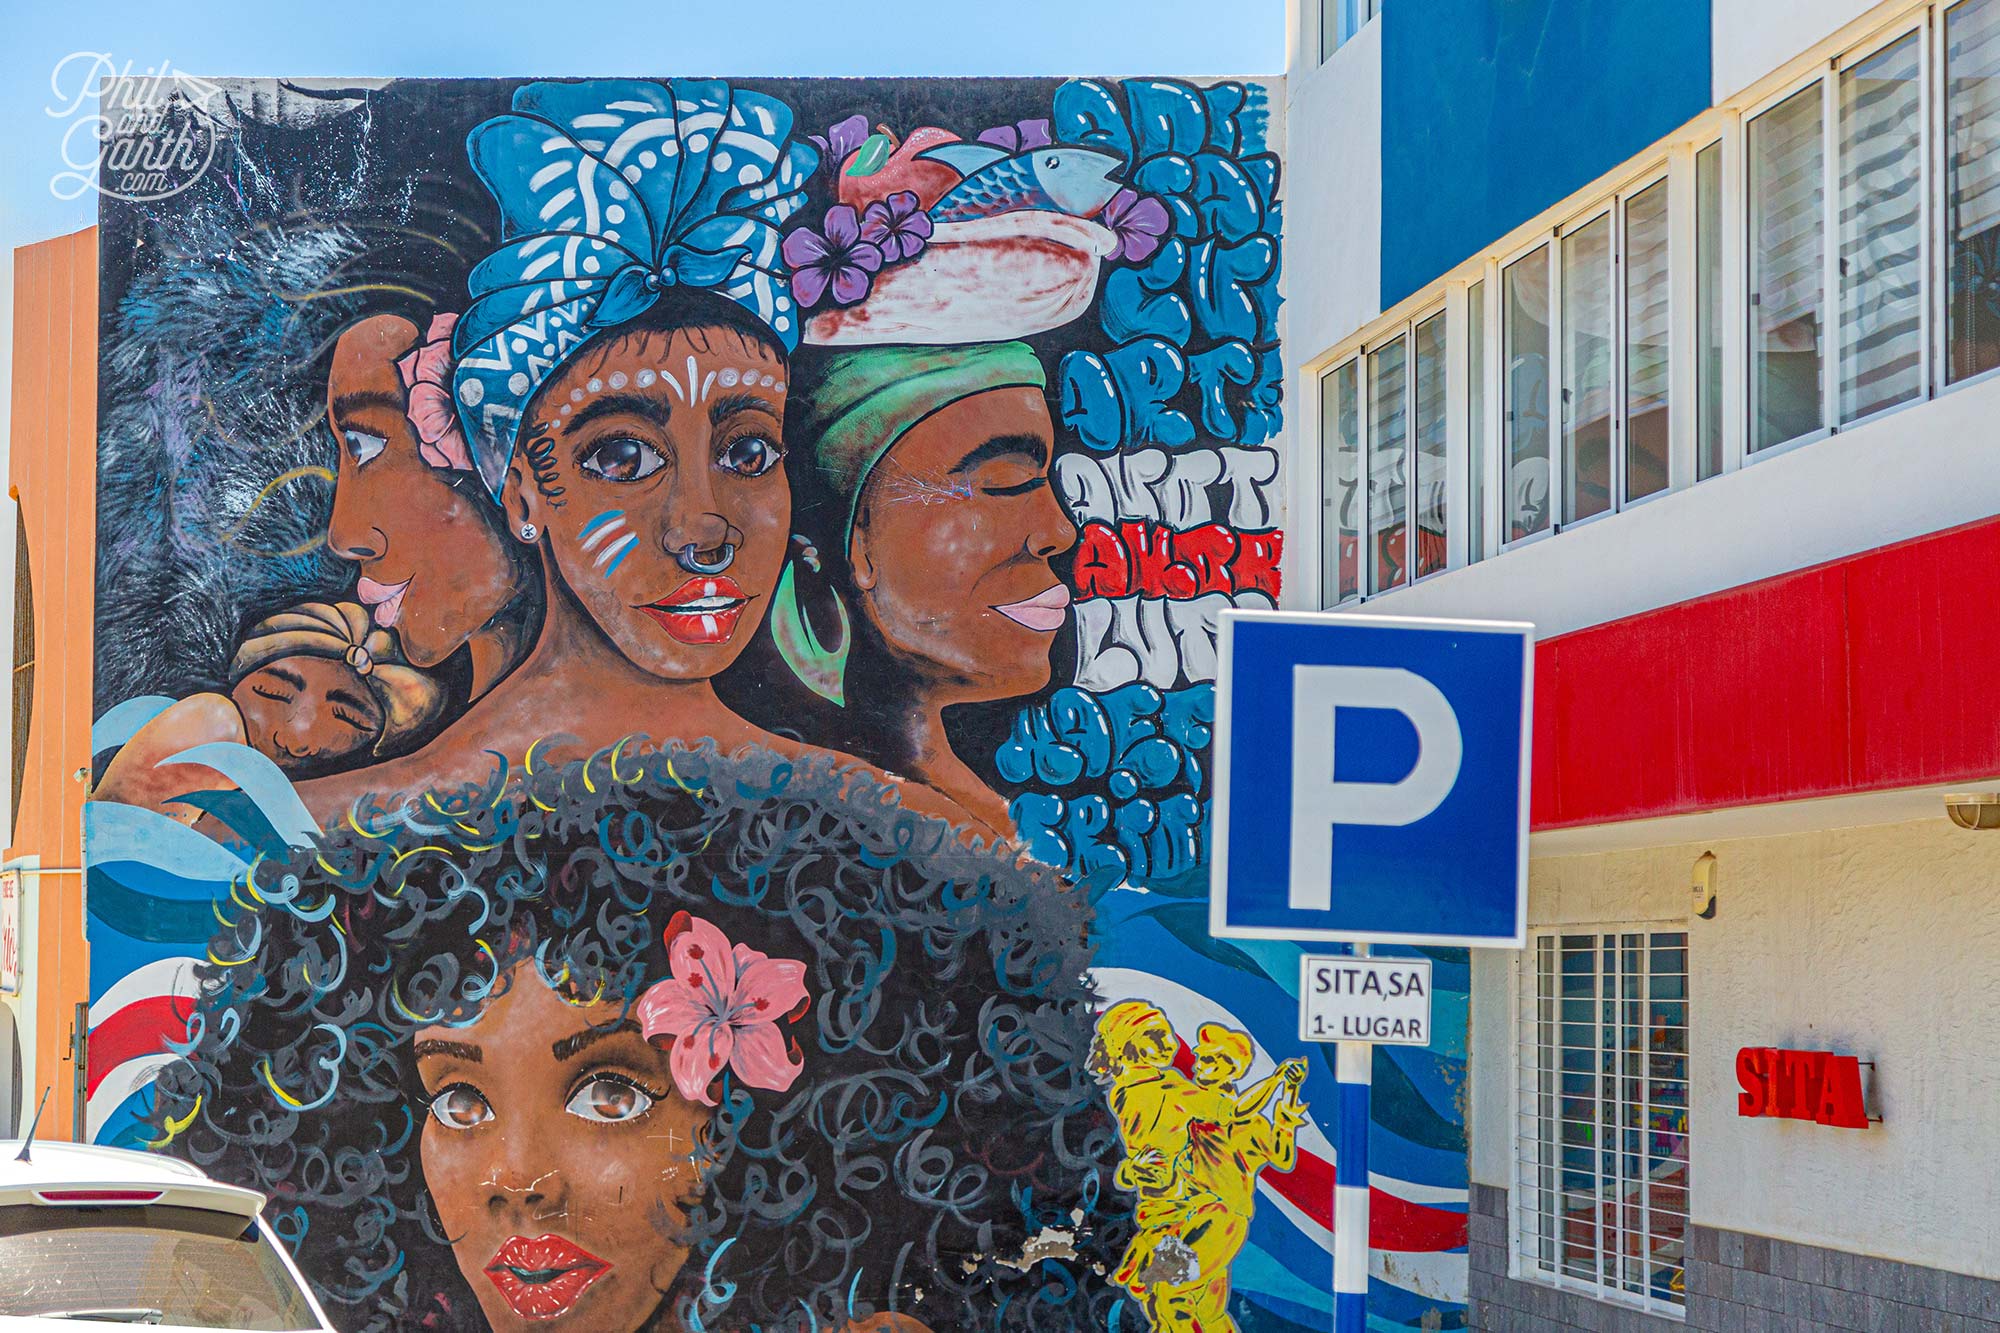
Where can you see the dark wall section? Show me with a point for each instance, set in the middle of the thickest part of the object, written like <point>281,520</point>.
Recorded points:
<point>1493,111</point>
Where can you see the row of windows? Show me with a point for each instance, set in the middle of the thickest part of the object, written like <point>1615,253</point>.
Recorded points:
<point>1865,212</point>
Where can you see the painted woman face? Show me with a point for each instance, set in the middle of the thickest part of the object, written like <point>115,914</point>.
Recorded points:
<point>434,564</point>
<point>307,713</point>
<point>952,545</point>
<point>652,472</point>
<point>560,1160</point>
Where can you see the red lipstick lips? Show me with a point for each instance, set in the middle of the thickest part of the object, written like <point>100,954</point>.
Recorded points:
<point>544,1277</point>
<point>702,610</point>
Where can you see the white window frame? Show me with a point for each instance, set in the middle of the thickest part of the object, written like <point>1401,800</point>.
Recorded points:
<point>1744,223</point>
<point>1930,110</point>
<point>1936,112</point>
<point>1329,598</point>
<point>1523,1264</point>
<point>1361,358</point>
<point>1497,354</point>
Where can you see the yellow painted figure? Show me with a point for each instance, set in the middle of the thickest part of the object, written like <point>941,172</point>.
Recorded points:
<point>1193,1151</point>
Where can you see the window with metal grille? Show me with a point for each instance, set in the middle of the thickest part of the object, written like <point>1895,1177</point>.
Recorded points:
<point>1600,1199</point>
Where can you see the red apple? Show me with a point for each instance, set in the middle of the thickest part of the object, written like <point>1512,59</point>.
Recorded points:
<point>901,170</point>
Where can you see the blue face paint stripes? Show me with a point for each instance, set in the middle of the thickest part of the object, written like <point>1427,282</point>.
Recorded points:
<point>607,516</point>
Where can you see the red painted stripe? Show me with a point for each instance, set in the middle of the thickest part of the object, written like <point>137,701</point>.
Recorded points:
<point>141,1028</point>
<point>1394,1223</point>
<point>1825,681</point>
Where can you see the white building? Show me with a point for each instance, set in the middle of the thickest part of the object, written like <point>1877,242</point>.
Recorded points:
<point>1673,329</point>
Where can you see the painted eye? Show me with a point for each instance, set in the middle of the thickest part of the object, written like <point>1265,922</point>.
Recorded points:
<point>1051,161</point>
<point>622,459</point>
<point>750,456</point>
<point>364,446</point>
<point>460,1107</point>
<point>608,1100</point>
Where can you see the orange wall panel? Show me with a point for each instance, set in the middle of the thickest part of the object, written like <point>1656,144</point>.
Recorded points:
<point>52,470</point>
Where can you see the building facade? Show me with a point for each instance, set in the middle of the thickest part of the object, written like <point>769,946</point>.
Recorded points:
<point>1669,328</point>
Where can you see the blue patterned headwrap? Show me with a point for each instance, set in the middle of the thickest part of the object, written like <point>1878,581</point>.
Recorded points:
<point>612,193</point>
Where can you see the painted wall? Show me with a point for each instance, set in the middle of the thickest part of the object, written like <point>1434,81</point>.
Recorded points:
<point>1493,112</point>
<point>1753,40</point>
<point>1874,941</point>
<point>584,532</point>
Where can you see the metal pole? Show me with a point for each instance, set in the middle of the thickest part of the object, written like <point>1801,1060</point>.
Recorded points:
<point>1353,1069</point>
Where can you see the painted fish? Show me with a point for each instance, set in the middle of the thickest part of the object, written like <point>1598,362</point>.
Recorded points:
<point>1058,179</point>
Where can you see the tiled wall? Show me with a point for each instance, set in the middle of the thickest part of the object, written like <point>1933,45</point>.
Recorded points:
<point>1737,1284</point>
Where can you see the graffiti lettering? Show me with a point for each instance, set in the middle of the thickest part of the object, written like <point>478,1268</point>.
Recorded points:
<point>1155,561</point>
<point>1180,490</point>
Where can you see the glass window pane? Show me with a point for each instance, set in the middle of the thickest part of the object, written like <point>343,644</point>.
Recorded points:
<point>1586,392</point>
<point>1524,389</point>
<point>1647,339</point>
<point>1430,431</point>
<point>1340,471</point>
<point>1972,187</point>
<point>1708,311</point>
<point>1475,426</point>
<point>1388,467</point>
<point>1787,253</point>
<point>1881,230</point>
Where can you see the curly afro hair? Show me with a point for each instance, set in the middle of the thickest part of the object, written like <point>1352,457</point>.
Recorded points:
<point>944,1120</point>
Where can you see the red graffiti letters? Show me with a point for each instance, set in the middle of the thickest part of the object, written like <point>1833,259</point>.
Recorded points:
<point>1152,560</point>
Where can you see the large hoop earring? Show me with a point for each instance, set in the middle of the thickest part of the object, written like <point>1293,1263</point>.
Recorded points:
<point>820,668</point>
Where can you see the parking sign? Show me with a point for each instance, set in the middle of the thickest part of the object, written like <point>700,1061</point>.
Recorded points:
<point>1371,779</point>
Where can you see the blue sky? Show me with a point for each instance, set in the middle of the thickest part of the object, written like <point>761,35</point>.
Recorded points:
<point>382,38</point>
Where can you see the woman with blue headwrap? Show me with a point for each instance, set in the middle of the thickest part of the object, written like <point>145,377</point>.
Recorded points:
<point>621,375</point>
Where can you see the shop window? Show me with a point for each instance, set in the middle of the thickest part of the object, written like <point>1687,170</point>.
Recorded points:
<point>1600,1198</point>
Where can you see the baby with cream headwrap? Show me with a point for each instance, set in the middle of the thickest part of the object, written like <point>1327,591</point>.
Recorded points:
<point>315,689</point>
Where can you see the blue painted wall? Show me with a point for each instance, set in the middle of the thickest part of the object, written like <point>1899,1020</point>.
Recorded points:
<point>1494,109</point>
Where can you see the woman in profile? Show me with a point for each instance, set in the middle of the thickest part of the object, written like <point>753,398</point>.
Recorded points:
<point>663,1041</point>
<point>927,501</point>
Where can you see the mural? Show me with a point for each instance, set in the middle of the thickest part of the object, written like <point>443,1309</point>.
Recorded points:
<point>654,673</point>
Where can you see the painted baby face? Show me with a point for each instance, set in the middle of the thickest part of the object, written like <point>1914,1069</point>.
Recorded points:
<point>653,472</point>
<point>308,713</point>
<point>952,546</point>
<point>560,1159</point>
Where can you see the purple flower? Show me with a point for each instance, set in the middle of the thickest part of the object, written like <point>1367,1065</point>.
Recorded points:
<point>898,226</point>
<point>841,259</point>
<point>841,139</point>
<point>1019,137</point>
<point>1139,221</point>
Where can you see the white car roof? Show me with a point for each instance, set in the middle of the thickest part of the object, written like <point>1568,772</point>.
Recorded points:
<point>56,1163</point>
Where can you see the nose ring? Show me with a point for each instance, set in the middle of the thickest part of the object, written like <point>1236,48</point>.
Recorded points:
<point>689,558</point>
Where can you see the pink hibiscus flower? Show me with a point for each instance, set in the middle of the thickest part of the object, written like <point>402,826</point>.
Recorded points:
<point>426,371</point>
<point>721,1007</point>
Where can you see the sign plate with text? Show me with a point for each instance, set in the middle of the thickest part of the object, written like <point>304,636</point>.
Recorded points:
<point>1386,1001</point>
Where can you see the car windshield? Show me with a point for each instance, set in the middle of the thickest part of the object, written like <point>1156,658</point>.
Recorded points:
<point>191,1267</point>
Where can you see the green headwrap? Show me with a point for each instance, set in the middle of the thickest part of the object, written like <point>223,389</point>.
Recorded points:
<point>867,399</point>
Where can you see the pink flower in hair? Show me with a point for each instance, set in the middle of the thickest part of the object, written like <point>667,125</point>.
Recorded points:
<point>426,371</point>
<point>721,1007</point>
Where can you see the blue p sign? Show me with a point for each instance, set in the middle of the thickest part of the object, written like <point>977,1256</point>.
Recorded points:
<point>1371,779</point>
